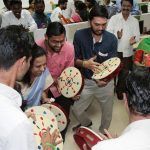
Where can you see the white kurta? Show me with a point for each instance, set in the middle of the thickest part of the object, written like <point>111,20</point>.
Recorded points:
<point>130,28</point>
<point>135,137</point>
<point>15,129</point>
<point>8,18</point>
<point>55,14</point>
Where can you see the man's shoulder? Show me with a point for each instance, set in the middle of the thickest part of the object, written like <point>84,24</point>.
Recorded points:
<point>24,11</point>
<point>68,47</point>
<point>40,42</point>
<point>3,10</point>
<point>7,13</point>
<point>7,109</point>
<point>83,31</point>
<point>34,15</point>
<point>133,18</point>
<point>115,17</point>
<point>109,35</point>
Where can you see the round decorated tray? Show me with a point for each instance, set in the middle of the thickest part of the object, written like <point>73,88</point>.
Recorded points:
<point>108,69</point>
<point>44,119</point>
<point>70,82</point>
<point>59,113</point>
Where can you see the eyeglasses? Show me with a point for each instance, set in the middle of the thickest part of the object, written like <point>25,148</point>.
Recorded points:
<point>54,42</point>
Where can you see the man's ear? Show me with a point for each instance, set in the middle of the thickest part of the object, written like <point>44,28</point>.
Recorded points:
<point>22,62</point>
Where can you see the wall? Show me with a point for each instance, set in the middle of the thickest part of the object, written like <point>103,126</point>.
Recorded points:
<point>70,30</point>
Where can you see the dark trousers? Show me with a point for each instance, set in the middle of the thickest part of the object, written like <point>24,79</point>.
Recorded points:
<point>127,64</point>
<point>65,103</point>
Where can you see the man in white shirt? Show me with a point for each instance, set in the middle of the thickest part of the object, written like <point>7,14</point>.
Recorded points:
<point>135,7</point>
<point>126,29</point>
<point>136,136</point>
<point>4,9</point>
<point>15,55</point>
<point>18,16</point>
<point>55,16</point>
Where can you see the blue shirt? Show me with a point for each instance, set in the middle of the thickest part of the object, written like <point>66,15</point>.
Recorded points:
<point>86,49</point>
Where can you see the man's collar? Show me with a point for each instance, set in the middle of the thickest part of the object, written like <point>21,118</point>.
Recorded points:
<point>121,16</point>
<point>94,41</point>
<point>21,16</point>
<point>11,94</point>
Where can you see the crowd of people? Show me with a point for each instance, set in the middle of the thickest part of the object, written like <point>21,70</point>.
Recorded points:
<point>64,12</point>
<point>29,71</point>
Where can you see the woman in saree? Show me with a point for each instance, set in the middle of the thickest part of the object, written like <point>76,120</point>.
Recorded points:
<point>36,82</point>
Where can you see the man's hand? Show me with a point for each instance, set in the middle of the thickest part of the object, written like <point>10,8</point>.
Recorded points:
<point>107,135</point>
<point>139,64</point>
<point>50,138</point>
<point>101,83</point>
<point>31,115</point>
<point>91,64</point>
<point>119,34</point>
<point>48,100</point>
<point>132,40</point>
<point>75,98</point>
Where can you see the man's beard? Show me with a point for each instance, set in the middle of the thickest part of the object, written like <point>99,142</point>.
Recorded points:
<point>56,51</point>
<point>53,49</point>
<point>100,33</point>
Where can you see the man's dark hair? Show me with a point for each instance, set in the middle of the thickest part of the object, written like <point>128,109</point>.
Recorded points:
<point>7,3</point>
<point>138,91</point>
<point>15,43</point>
<point>39,2</point>
<point>62,2</point>
<point>92,3</point>
<point>98,11</point>
<point>14,2</point>
<point>82,10</point>
<point>130,1</point>
<point>55,29</point>
<point>30,1</point>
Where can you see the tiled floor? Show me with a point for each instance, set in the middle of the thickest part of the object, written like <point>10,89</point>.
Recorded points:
<point>119,122</point>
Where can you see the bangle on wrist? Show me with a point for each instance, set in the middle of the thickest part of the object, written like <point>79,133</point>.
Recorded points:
<point>51,145</point>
